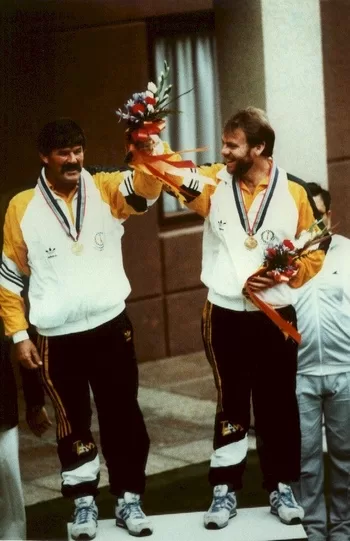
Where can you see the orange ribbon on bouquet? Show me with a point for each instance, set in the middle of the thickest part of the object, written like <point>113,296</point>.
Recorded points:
<point>165,169</point>
<point>148,128</point>
<point>285,326</point>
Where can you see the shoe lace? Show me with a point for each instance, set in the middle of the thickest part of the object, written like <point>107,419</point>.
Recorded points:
<point>287,497</point>
<point>134,510</point>
<point>220,502</point>
<point>84,514</point>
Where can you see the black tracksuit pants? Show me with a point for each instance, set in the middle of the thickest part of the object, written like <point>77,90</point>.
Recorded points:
<point>250,356</point>
<point>102,359</point>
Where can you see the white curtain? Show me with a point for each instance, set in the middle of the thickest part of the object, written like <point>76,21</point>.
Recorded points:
<point>192,61</point>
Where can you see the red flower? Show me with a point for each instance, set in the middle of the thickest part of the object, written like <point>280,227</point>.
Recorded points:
<point>150,101</point>
<point>271,252</point>
<point>288,244</point>
<point>138,108</point>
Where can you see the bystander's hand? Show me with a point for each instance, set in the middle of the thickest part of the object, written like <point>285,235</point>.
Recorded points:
<point>38,420</point>
<point>26,353</point>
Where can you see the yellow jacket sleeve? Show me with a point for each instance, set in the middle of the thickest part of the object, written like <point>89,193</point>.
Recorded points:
<point>129,192</point>
<point>310,260</point>
<point>14,267</point>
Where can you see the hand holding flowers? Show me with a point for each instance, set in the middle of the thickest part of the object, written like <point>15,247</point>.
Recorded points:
<point>281,260</point>
<point>145,115</point>
<point>280,265</point>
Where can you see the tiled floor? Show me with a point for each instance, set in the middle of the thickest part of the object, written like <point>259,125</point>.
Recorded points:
<point>177,397</point>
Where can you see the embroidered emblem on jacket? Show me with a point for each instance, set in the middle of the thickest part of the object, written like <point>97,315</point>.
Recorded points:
<point>221,225</point>
<point>99,241</point>
<point>268,236</point>
<point>127,335</point>
<point>51,252</point>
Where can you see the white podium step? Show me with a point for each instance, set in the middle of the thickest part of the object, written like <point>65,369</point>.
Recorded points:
<point>250,524</point>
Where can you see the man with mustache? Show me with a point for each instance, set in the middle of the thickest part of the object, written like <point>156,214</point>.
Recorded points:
<point>65,237</point>
<point>253,204</point>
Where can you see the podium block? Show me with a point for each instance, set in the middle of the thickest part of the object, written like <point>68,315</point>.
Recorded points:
<point>250,524</point>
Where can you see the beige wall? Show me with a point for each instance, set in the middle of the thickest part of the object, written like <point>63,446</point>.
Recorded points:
<point>336,53</point>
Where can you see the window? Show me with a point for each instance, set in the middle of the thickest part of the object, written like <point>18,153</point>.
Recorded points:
<point>188,45</point>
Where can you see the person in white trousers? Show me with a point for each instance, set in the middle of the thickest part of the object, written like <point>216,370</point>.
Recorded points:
<point>12,513</point>
<point>323,387</point>
<point>12,510</point>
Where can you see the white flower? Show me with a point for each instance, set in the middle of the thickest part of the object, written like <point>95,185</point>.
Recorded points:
<point>152,87</point>
<point>150,108</point>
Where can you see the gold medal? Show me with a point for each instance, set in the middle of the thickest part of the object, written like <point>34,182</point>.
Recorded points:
<point>77,248</point>
<point>250,242</point>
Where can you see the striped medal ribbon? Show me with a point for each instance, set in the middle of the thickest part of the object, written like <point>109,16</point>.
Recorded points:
<point>250,242</point>
<point>77,247</point>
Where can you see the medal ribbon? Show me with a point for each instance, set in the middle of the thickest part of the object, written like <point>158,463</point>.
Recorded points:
<point>260,215</point>
<point>58,212</point>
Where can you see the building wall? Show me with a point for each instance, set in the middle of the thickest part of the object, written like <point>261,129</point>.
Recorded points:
<point>336,54</point>
<point>62,61</point>
<point>65,61</point>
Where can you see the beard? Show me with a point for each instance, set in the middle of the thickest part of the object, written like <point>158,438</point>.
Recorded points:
<point>242,166</point>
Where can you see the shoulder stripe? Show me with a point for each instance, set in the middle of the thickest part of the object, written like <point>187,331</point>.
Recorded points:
<point>9,279</point>
<point>10,275</point>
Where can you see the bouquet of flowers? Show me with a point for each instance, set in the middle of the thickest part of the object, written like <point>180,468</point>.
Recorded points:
<point>145,111</point>
<point>280,261</point>
<point>144,114</point>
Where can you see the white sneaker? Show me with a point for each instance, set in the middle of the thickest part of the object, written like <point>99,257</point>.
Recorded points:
<point>284,505</point>
<point>129,515</point>
<point>85,518</point>
<point>223,507</point>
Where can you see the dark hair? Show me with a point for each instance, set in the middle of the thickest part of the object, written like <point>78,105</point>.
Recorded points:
<point>60,133</point>
<point>316,189</point>
<point>255,124</point>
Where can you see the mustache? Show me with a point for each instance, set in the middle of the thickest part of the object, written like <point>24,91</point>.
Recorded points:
<point>70,167</point>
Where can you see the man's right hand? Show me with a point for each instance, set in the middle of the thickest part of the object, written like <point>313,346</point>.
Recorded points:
<point>38,420</point>
<point>26,353</point>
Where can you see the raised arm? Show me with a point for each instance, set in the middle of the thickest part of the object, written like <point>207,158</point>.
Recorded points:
<point>131,191</point>
<point>192,185</point>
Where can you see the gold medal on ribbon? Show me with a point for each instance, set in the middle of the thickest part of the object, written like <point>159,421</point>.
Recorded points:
<point>257,211</point>
<point>77,248</point>
<point>250,242</point>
